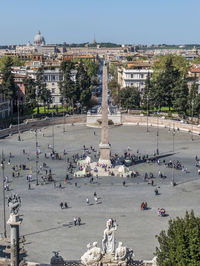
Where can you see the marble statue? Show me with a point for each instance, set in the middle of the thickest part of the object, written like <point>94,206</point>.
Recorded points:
<point>123,253</point>
<point>108,242</point>
<point>120,252</point>
<point>92,256</point>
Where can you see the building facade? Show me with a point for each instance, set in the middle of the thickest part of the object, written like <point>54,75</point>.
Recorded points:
<point>133,78</point>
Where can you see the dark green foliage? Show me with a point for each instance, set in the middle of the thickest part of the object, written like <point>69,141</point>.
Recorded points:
<point>169,83</point>
<point>43,94</point>
<point>8,85</point>
<point>76,93</point>
<point>83,85</point>
<point>129,98</point>
<point>180,245</point>
<point>67,85</point>
<point>30,95</point>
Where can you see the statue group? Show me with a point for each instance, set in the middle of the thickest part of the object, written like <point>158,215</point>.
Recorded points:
<point>108,254</point>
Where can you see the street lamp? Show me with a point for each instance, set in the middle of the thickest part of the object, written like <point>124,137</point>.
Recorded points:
<point>36,159</point>
<point>157,135</point>
<point>52,132</point>
<point>192,119</point>
<point>173,182</point>
<point>4,199</point>
<point>173,135</point>
<point>63,121</point>
<point>147,113</point>
<point>19,137</point>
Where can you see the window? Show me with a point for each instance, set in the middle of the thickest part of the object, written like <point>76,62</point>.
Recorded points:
<point>141,76</point>
<point>131,75</point>
<point>52,83</point>
<point>53,90</point>
<point>53,77</point>
<point>53,99</point>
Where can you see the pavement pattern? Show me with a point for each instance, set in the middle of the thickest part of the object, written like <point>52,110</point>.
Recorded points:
<point>49,228</point>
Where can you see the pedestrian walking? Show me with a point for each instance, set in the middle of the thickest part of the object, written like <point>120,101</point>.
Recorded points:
<point>87,201</point>
<point>61,205</point>
<point>66,206</point>
<point>79,221</point>
<point>96,200</point>
<point>75,221</point>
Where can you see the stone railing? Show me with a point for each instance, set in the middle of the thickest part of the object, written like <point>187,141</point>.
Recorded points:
<point>154,121</point>
<point>124,119</point>
<point>75,119</point>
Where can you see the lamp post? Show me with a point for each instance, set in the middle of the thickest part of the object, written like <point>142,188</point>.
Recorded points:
<point>173,135</point>
<point>173,182</point>
<point>63,121</point>
<point>36,159</point>
<point>19,137</point>
<point>147,113</point>
<point>52,133</point>
<point>4,199</point>
<point>157,135</point>
<point>192,119</point>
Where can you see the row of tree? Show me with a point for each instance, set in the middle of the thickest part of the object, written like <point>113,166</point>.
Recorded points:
<point>169,86</point>
<point>76,93</point>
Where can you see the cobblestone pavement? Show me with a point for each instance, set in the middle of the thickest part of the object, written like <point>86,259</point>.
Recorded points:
<point>47,227</point>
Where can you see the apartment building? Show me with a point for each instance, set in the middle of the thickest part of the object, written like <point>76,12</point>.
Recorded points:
<point>133,78</point>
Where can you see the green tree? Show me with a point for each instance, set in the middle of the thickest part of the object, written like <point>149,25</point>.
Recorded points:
<point>30,92</point>
<point>180,245</point>
<point>43,94</point>
<point>168,74</point>
<point>147,96</point>
<point>180,96</point>
<point>67,85</point>
<point>83,85</point>
<point>8,85</point>
<point>129,98</point>
<point>14,61</point>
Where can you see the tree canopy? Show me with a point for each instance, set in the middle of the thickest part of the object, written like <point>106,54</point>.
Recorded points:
<point>8,84</point>
<point>129,98</point>
<point>180,245</point>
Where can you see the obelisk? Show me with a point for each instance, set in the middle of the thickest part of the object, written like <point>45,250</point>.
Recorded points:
<point>104,145</point>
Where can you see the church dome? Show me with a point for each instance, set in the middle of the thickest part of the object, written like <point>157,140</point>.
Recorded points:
<point>39,39</point>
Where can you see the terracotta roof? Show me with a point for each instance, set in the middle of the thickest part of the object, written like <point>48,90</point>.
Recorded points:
<point>195,70</point>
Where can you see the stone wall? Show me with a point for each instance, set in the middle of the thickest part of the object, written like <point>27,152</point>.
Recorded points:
<point>93,118</point>
<point>75,119</point>
<point>154,121</point>
<point>124,119</point>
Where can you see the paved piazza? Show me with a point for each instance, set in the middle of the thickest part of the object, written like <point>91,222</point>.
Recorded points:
<point>47,228</point>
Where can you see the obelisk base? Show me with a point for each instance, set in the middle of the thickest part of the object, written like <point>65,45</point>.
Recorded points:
<point>104,154</point>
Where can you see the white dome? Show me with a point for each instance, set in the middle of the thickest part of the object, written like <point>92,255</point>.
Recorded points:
<point>39,39</point>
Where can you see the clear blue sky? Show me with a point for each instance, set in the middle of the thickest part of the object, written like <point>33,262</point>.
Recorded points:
<point>120,21</point>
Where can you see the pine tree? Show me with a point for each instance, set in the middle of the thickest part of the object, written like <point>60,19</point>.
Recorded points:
<point>8,85</point>
<point>67,85</point>
<point>30,92</point>
<point>180,245</point>
<point>42,93</point>
<point>83,85</point>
